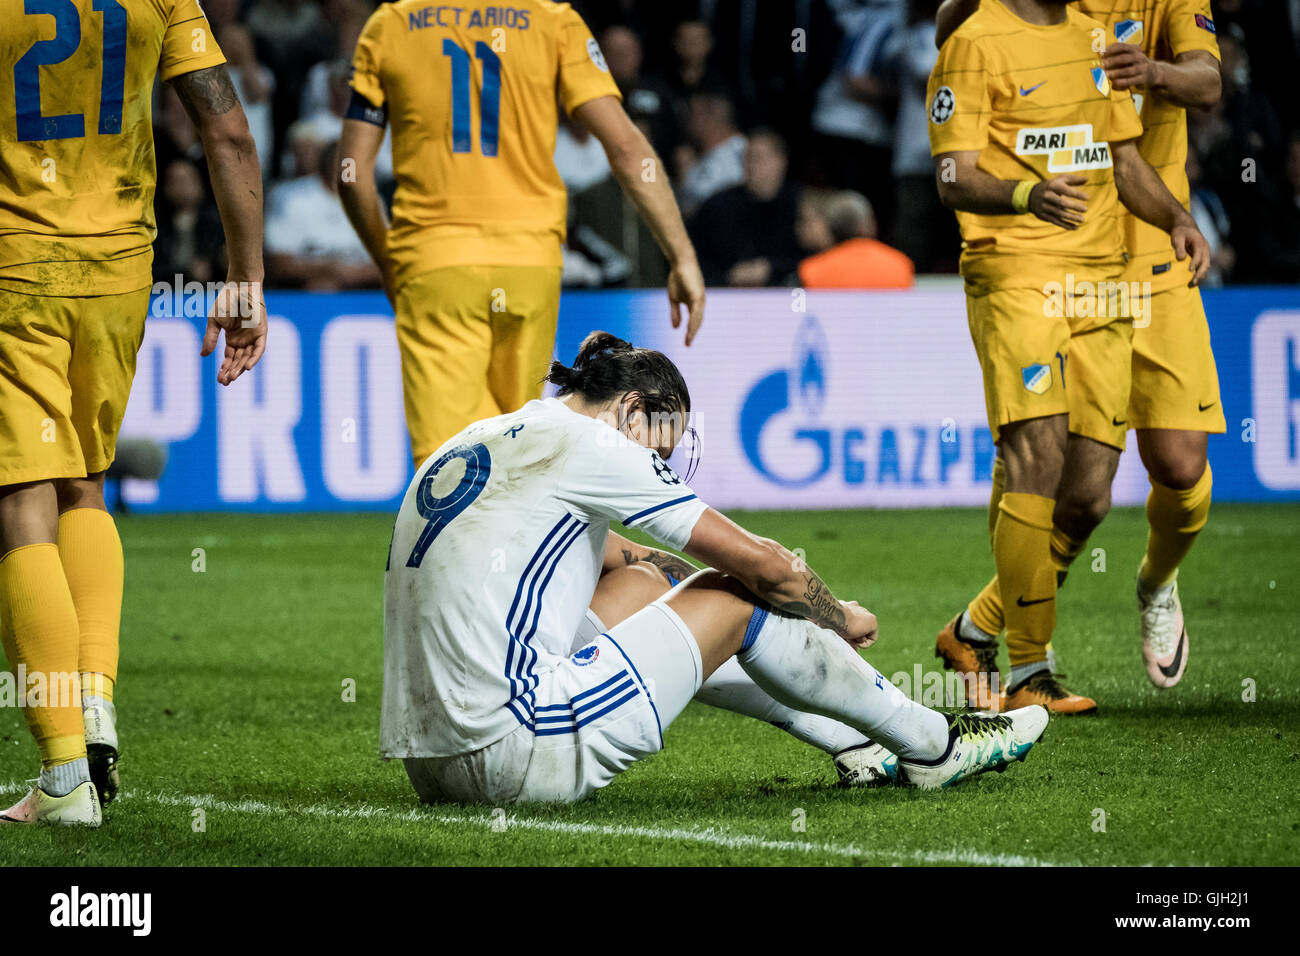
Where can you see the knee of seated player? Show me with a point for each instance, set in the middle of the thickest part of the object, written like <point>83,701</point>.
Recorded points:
<point>717,609</point>
<point>624,591</point>
<point>85,492</point>
<point>1174,459</point>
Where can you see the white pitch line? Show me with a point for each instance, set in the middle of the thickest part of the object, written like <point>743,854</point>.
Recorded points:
<point>709,836</point>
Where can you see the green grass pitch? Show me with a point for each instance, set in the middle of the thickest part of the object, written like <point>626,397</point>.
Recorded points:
<point>231,702</point>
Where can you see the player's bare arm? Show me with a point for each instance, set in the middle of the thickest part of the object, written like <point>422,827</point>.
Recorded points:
<point>963,186</point>
<point>951,15</point>
<point>358,147</point>
<point>212,104</point>
<point>1191,80</point>
<point>778,576</point>
<point>644,178</point>
<point>621,553</point>
<point>1144,194</point>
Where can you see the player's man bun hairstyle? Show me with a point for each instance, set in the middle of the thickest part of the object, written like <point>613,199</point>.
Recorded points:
<point>608,367</point>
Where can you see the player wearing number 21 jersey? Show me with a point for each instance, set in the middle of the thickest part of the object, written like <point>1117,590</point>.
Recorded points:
<point>76,248</point>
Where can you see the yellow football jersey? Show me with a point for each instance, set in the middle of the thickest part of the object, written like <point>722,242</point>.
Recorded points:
<point>77,169</point>
<point>1035,102</point>
<point>1163,29</point>
<point>471,92</point>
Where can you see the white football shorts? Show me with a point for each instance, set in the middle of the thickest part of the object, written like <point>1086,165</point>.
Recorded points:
<point>596,713</point>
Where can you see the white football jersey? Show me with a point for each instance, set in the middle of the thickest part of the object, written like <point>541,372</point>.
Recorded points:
<point>494,558</point>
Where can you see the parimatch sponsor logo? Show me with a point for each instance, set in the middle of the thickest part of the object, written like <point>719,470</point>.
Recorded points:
<point>1068,148</point>
<point>132,911</point>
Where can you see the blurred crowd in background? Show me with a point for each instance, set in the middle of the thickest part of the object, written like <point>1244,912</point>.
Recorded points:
<point>795,132</point>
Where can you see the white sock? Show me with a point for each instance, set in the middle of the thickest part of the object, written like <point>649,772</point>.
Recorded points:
<point>62,780</point>
<point>1022,672</point>
<point>811,669</point>
<point>730,688</point>
<point>969,632</point>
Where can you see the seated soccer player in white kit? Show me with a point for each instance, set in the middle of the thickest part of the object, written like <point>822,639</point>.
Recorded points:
<point>496,554</point>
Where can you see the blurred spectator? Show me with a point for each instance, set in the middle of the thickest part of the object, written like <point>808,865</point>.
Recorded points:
<point>922,228</point>
<point>1212,219</point>
<point>1269,31</point>
<point>222,13</point>
<point>254,83</point>
<point>175,137</point>
<point>1287,231</point>
<point>693,71</point>
<point>745,235</point>
<point>1244,162</point>
<point>716,163</point>
<point>648,100</point>
<point>316,93</point>
<point>291,35</point>
<point>857,260</point>
<point>579,157</point>
<point>327,124</point>
<point>309,242</point>
<point>190,238</point>
<point>811,229</point>
<point>775,53</point>
<point>852,115</point>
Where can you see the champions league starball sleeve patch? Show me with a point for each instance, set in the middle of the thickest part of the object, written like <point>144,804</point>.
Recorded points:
<point>943,105</point>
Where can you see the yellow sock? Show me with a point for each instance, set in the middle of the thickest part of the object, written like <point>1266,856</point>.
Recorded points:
<point>1064,550</point>
<point>97,685</point>
<point>91,553</point>
<point>1175,518</point>
<point>38,624</point>
<point>985,611</point>
<point>995,496</point>
<point>1026,575</point>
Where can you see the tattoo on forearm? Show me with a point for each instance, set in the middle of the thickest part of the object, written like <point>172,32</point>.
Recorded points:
<point>667,563</point>
<point>207,92</point>
<point>819,605</point>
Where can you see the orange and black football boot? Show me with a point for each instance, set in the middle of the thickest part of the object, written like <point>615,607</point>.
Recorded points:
<point>977,665</point>
<point>1045,688</point>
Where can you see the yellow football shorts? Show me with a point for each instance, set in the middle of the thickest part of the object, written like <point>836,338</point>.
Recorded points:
<point>476,341</point>
<point>1175,381</point>
<point>66,366</point>
<point>1038,363</point>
